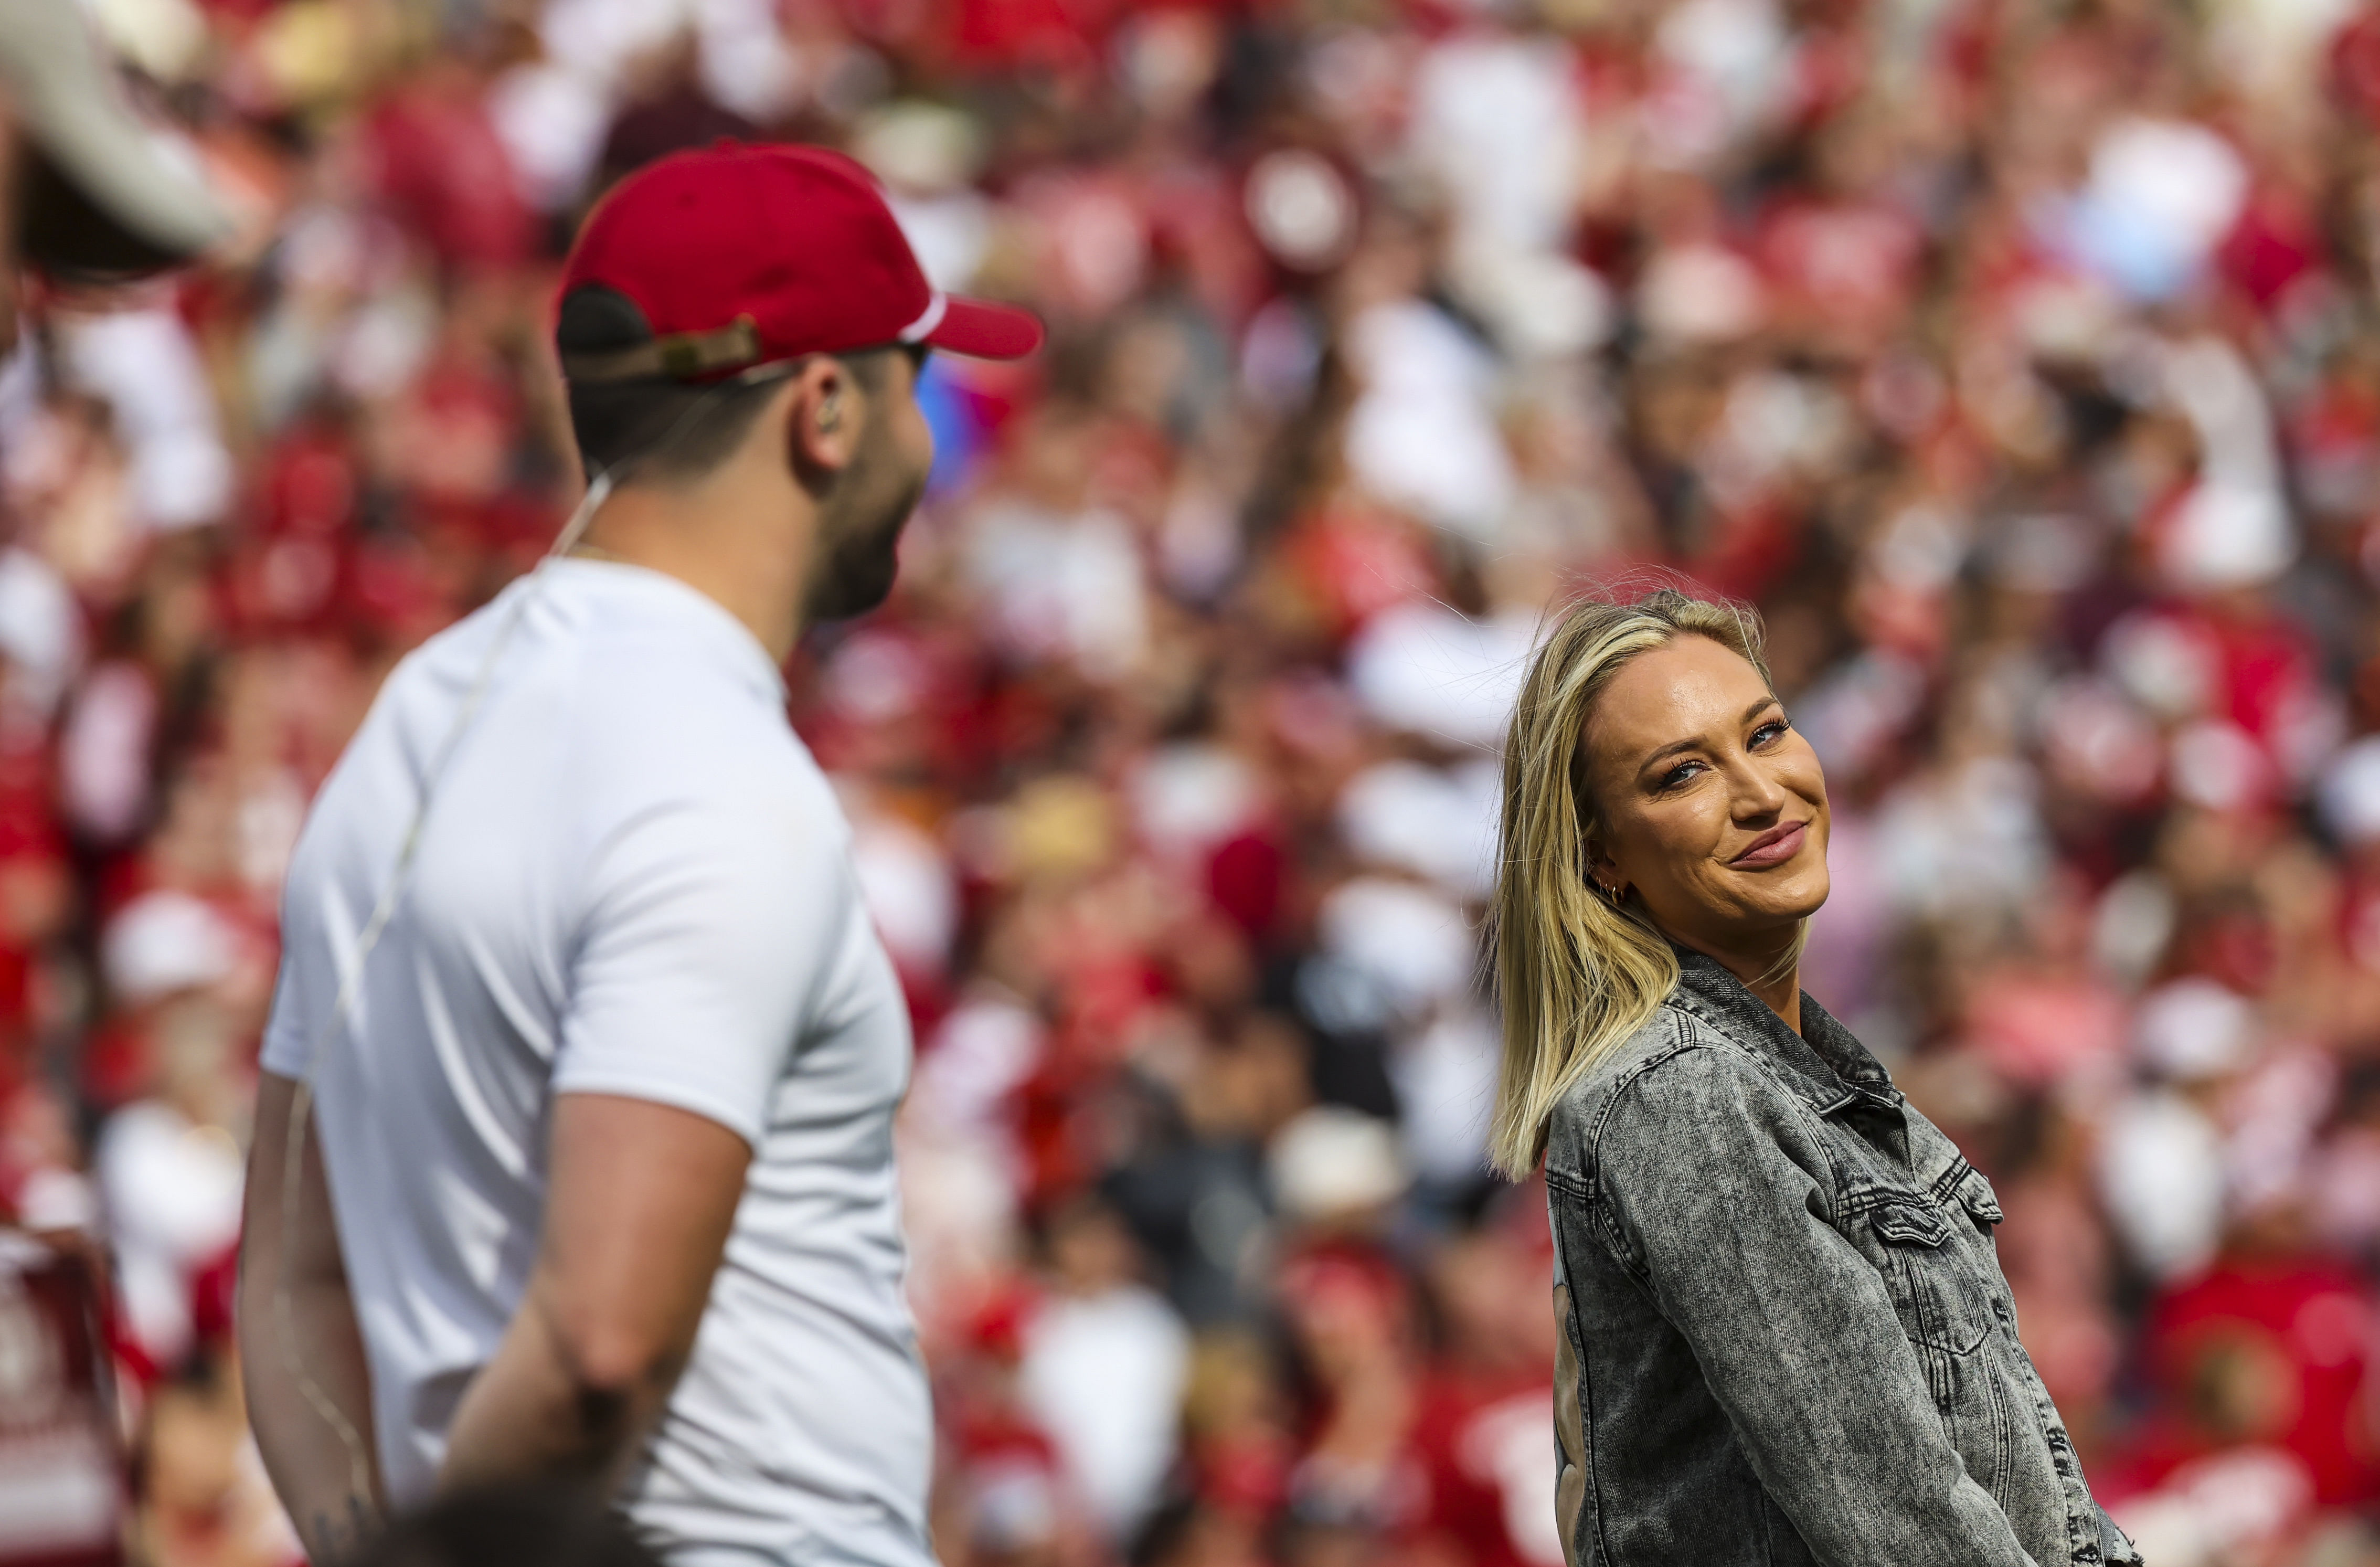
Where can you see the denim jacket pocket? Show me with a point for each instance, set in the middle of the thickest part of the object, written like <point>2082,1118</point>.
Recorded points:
<point>1930,1279</point>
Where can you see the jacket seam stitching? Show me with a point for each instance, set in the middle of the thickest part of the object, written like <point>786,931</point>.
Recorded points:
<point>1799,1088</point>
<point>1586,1419</point>
<point>1606,1230</point>
<point>1693,1027</point>
<point>1570,1184</point>
<point>1811,1123</point>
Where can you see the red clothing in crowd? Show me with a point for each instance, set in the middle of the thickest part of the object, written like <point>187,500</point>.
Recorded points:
<point>1482,1441</point>
<point>2275,1353</point>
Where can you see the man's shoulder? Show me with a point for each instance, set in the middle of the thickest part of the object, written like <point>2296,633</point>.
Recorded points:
<point>704,784</point>
<point>686,728</point>
<point>657,720</point>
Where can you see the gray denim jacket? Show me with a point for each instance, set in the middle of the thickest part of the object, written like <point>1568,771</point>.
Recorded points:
<point>1785,1334</point>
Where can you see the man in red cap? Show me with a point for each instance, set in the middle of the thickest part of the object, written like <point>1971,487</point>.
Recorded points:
<point>574,1147</point>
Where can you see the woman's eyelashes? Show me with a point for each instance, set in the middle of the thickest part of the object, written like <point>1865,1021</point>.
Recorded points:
<point>1770,731</point>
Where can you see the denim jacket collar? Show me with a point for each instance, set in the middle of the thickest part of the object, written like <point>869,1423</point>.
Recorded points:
<point>1824,1062</point>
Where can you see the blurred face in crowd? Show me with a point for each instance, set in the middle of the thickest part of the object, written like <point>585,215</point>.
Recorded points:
<point>1709,808</point>
<point>861,514</point>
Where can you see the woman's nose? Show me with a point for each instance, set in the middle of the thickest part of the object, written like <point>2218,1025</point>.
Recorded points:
<point>1756,792</point>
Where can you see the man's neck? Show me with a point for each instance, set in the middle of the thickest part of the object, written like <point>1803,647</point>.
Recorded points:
<point>757,575</point>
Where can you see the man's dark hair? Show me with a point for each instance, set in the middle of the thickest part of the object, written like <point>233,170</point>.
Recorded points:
<point>673,429</point>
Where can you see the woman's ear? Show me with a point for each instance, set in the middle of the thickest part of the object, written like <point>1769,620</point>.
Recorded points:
<point>1603,871</point>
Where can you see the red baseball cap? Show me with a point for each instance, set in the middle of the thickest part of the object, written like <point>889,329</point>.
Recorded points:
<point>737,256</point>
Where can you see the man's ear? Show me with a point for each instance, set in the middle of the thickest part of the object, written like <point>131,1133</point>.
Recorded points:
<point>823,418</point>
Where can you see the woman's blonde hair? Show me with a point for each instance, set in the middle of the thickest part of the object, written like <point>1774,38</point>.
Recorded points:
<point>1575,972</point>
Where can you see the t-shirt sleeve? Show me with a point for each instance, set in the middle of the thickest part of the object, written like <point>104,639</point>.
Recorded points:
<point>288,1051</point>
<point>294,1026</point>
<point>708,928</point>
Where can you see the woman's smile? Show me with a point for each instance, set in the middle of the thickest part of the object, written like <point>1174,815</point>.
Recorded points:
<point>1774,847</point>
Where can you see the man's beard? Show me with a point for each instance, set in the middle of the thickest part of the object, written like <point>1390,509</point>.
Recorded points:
<point>859,535</point>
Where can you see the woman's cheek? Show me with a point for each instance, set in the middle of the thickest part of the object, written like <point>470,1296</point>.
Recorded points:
<point>1680,831</point>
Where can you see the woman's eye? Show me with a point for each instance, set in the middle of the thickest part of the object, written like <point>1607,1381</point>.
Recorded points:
<point>1678,774</point>
<point>1769,731</point>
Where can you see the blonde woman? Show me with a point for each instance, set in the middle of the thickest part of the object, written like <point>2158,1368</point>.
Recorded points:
<point>1785,1337</point>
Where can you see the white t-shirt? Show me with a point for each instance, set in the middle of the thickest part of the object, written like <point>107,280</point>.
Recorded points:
<point>634,880</point>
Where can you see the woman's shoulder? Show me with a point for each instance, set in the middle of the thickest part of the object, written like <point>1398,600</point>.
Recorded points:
<point>1675,1070</point>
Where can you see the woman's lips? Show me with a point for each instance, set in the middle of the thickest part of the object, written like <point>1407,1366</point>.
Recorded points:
<point>1773,847</point>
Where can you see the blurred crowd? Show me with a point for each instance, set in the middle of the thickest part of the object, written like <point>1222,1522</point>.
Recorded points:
<point>2020,359</point>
